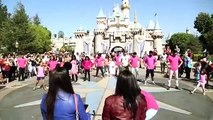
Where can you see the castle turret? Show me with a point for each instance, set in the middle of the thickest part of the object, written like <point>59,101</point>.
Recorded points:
<point>79,36</point>
<point>157,35</point>
<point>101,20</point>
<point>99,32</point>
<point>125,7</point>
<point>135,30</point>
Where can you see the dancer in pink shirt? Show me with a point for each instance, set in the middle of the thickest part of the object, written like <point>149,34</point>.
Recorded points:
<point>118,63</point>
<point>150,64</point>
<point>52,64</point>
<point>201,82</point>
<point>99,61</point>
<point>175,62</point>
<point>87,65</point>
<point>22,62</point>
<point>74,69</point>
<point>40,76</point>
<point>134,64</point>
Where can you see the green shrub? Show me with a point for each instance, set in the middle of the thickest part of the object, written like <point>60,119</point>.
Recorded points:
<point>196,57</point>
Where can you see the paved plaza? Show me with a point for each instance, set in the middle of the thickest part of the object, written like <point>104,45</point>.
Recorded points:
<point>19,102</point>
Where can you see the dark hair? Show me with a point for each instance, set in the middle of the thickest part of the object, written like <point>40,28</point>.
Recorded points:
<point>99,54</point>
<point>59,79</point>
<point>73,57</point>
<point>87,58</point>
<point>128,88</point>
<point>107,57</point>
<point>134,53</point>
<point>203,71</point>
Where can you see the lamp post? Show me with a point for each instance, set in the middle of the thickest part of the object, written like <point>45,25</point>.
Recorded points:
<point>16,46</point>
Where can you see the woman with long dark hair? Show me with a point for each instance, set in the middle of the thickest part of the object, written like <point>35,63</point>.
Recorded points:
<point>59,103</point>
<point>127,103</point>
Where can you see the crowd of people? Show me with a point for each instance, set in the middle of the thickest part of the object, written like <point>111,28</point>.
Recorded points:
<point>63,69</point>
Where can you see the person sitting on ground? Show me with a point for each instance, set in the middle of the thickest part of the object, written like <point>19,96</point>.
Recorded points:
<point>60,101</point>
<point>127,103</point>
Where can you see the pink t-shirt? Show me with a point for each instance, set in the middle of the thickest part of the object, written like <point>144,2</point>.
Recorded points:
<point>22,62</point>
<point>87,64</point>
<point>174,62</point>
<point>52,65</point>
<point>99,61</point>
<point>40,71</point>
<point>150,62</point>
<point>118,60</point>
<point>150,100</point>
<point>134,61</point>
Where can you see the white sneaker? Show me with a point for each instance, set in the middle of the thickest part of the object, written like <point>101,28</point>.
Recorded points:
<point>204,93</point>
<point>34,88</point>
<point>145,82</point>
<point>153,82</point>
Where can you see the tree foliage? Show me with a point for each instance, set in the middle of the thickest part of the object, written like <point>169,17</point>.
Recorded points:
<point>31,36</point>
<point>36,20</point>
<point>42,39</point>
<point>3,19</point>
<point>185,41</point>
<point>204,24</point>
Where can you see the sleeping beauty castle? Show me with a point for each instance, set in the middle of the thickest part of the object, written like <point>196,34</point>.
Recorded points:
<point>116,32</point>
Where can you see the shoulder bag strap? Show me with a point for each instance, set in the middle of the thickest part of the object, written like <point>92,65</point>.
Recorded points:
<point>76,103</point>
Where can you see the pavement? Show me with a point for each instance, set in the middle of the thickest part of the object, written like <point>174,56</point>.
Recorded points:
<point>18,100</point>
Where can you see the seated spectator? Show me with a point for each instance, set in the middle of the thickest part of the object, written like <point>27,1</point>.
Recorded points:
<point>127,103</point>
<point>59,102</point>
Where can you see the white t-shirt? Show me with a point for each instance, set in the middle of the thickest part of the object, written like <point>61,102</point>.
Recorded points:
<point>125,60</point>
<point>112,67</point>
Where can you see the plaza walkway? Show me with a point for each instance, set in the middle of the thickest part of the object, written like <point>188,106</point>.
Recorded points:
<point>19,101</point>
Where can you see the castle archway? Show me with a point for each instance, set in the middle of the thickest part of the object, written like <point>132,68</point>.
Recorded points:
<point>117,49</point>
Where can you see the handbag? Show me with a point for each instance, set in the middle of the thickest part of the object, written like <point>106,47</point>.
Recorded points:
<point>76,108</point>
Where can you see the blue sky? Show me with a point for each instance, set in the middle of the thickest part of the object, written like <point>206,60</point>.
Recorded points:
<point>67,15</point>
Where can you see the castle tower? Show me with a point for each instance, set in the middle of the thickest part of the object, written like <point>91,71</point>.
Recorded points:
<point>135,30</point>
<point>125,7</point>
<point>79,36</point>
<point>157,35</point>
<point>99,32</point>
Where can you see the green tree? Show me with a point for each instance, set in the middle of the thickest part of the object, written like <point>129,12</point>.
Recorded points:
<point>204,24</point>
<point>60,34</point>
<point>185,41</point>
<point>36,20</point>
<point>4,16</point>
<point>41,39</point>
<point>20,30</point>
<point>209,41</point>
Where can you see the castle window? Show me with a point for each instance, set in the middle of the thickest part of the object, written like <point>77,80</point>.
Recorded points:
<point>151,43</point>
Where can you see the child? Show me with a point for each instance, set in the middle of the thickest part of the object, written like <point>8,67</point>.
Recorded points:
<point>87,65</point>
<point>106,65</point>
<point>74,69</point>
<point>197,71</point>
<point>201,82</point>
<point>40,76</point>
<point>30,68</point>
<point>112,66</point>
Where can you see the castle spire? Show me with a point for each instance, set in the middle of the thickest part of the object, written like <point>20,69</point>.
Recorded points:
<point>135,17</point>
<point>125,7</point>
<point>101,14</point>
<point>157,26</point>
